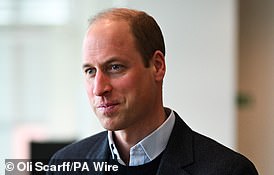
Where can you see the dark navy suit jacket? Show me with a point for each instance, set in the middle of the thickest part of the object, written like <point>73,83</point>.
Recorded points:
<point>187,153</point>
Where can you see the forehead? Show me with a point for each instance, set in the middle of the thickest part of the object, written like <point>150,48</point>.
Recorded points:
<point>109,32</point>
<point>106,37</point>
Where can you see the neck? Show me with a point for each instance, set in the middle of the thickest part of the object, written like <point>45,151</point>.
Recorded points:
<point>126,138</point>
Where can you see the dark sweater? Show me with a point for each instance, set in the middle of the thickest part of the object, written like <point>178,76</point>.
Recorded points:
<point>149,168</point>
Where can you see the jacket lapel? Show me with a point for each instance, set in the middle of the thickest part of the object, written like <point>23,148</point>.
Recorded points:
<point>99,152</point>
<point>178,153</point>
<point>100,149</point>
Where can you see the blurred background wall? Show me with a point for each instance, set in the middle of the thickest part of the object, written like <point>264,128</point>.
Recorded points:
<point>256,82</point>
<point>42,92</point>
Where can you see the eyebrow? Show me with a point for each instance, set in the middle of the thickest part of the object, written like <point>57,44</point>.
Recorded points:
<point>112,59</point>
<point>86,65</point>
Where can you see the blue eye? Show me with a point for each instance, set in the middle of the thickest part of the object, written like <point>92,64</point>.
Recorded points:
<point>90,71</point>
<point>115,68</point>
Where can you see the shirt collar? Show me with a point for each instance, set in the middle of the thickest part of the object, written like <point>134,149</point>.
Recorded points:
<point>148,148</point>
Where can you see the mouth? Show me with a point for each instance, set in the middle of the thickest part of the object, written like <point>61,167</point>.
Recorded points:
<point>107,105</point>
<point>108,108</point>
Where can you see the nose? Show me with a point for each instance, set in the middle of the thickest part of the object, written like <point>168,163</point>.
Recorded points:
<point>101,86</point>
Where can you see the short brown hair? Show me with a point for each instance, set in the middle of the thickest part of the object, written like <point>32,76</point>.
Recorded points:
<point>147,33</point>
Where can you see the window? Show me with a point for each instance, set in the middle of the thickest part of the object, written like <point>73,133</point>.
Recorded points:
<point>34,12</point>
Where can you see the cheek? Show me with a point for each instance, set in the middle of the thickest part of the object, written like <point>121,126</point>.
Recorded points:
<point>134,85</point>
<point>129,82</point>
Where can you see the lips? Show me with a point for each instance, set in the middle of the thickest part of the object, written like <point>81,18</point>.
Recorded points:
<point>108,108</point>
<point>106,105</point>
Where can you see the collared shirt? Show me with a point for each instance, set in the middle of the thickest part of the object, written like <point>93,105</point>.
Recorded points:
<point>150,147</point>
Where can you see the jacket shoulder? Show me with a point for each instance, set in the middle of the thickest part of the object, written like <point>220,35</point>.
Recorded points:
<point>219,157</point>
<point>203,154</point>
<point>81,149</point>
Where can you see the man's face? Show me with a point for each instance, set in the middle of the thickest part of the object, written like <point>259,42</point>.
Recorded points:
<point>121,90</point>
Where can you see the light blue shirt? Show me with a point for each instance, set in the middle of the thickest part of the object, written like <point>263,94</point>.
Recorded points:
<point>150,147</point>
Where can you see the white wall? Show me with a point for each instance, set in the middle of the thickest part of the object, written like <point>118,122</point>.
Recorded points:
<point>43,82</point>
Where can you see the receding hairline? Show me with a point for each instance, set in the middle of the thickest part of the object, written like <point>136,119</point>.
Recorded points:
<point>143,27</point>
<point>116,14</point>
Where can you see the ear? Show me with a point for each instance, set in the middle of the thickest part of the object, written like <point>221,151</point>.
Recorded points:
<point>159,65</point>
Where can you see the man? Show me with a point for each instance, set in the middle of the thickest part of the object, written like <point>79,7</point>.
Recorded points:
<point>124,67</point>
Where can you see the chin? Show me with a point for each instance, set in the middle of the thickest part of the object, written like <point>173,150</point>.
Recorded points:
<point>111,128</point>
<point>109,125</point>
